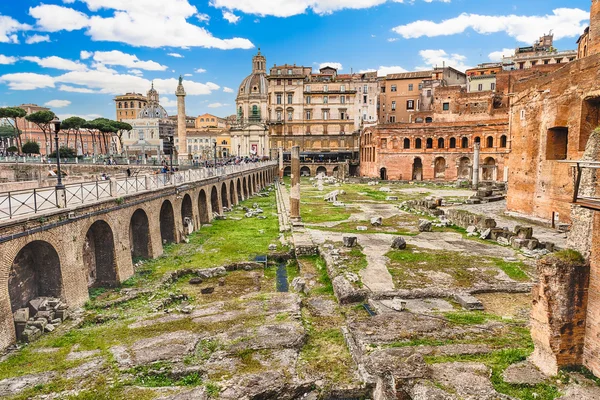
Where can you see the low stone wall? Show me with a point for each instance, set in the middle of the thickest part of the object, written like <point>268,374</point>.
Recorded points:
<point>345,291</point>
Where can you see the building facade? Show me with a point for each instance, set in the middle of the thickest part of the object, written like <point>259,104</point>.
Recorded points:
<point>129,105</point>
<point>540,53</point>
<point>210,121</point>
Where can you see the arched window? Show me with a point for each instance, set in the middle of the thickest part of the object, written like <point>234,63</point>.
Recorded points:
<point>202,119</point>
<point>418,144</point>
<point>452,143</point>
<point>428,120</point>
<point>119,104</point>
<point>477,139</point>
<point>503,141</point>
<point>489,142</point>
<point>125,105</point>
<point>464,143</point>
<point>430,143</point>
<point>441,143</point>
<point>131,105</point>
<point>407,143</point>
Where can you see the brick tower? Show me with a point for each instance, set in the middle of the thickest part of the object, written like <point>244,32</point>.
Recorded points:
<point>594,43</point>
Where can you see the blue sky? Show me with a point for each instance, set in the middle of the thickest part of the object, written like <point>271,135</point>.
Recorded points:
<point>75,55</point>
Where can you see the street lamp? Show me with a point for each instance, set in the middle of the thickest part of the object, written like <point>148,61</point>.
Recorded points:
<point>215,151</point>
<point>239,154</point>
<point>56,123</point>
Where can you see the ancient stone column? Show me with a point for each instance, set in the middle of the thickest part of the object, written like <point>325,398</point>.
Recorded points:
<point>280,162</point>
<point>475,165</point>
<point>181,128</point>
<point>295,192</point>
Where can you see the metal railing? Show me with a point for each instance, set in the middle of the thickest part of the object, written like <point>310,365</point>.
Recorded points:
<point>591,202</point>
<point>33,201</point>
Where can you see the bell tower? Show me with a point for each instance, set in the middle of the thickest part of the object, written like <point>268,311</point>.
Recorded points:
<point>259,63</point>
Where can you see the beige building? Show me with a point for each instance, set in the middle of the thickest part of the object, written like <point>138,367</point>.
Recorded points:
<point>210,121</point>
<point>541,53</point>
<point>129,105</point>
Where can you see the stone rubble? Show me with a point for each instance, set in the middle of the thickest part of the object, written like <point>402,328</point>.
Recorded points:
<point>43,314</point>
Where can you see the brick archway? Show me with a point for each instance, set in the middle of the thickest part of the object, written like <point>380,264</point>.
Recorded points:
<point>203,207</point>
<point>214,201</point>
<point>139,235</point>
<point>224,197</point>
<point>186,209</point>
<point>245,184</point>
<point>99,255</point>
<point>240,195</point>
<point>232,198</point>
<point>167,222</point>
<point>35,271</point>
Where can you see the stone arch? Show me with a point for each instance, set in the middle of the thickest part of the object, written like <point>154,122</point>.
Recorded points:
<point>464,170</point>
<point>441,143</point>
<point>139,235</point>
<point>489,169</point>
<point>321,169</point>
<point>489,142</point>
<point>240,195</point>
<point>464,143</point>
<point>452,143</point>
<point>383,174</point>
<point>304,171</point>
<point>439,167</point>
<point>503,141</point>
<point>406,143</point>
<point>203,207</point>
<point>429,143</point>
<point>232,198</point>
<point>167,222</point>
<point>224,197</point>
<point>245,183</point>
<point>99,255</point>
<point>186,209</point>
<point>214,201</point>
<point>418,143</point>
<point>35,272</point>
<point>417,174</point>
<point>287,171</point>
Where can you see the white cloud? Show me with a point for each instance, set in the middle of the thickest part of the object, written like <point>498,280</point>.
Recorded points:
<point>188,74</point>
<point>168,103</point>
<point>200,71</point>
<point>230,17</point>
<point>135,72</point>
<point>8,29</point>
<point>564,22</point>
<point>57,103</point>
<point>497,55</point>
<point>119,58</point>
<point>383,70</point>
<point>217,105</point>
<point>57,63</point>
<point>392,39</point>
<point>37,39</point>
<point>203,17</point>
<point>27,81</point>
<point>87,117</point>
<point>53,18</point>
<point>228,90</point>
<point>84,55</point>
<point>72,89</point>
<point>438,58</point>
<point>176,55</point>
<point>335,65</point>
<point>150,23</point>
<point>6,60</point>
<point>287,8</point>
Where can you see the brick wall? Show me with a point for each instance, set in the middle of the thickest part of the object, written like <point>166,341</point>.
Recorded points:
<point>594,37</point>
<point>591,355</point>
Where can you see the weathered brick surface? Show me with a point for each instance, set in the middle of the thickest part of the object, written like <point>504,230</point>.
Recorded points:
<point>591,354</point>
<point>594,38</point>
<point>67,236</point>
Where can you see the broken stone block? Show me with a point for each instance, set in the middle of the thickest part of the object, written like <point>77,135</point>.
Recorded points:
<point>471,229</point>
<point>195,281</point>
<point>207,290</point>
<point>345,292</point>
<point>21,315</point>
<point>338,204</point>
<point>349,241</point>
<point>299,285</point>
<point>272,247</point>
<point>425,225</point>
<point>473,201</point>
<point>468,302</point>
<point>532,244</point>
<point>47,315</point>
<point>548,246</point>
<point>398,243</point>
<point>30,334</point>
<point>35,304</point>
<point>40,323</point>
<point>385,189</point>
<point>56,321</point>
<point>523,373</point>
<point>391,198</point>
<point>524,232</point>
<point>518,243</point>
<point>485,234</point>
<point>376,221</point>
<point>49,328</point>
<point>62,314</point>
<point>361,228</point>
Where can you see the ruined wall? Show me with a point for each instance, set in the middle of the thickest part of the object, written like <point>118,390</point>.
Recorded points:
<point>591,352</point>
<point>594,36</point>
<point>558,313</point>
<point>539,184</point>
<point>438,163</point>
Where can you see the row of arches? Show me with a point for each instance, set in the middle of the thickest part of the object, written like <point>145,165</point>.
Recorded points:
<point>36,269</point>
<point>452,143</point>
<point>308,171</point>
<point>464,169</point>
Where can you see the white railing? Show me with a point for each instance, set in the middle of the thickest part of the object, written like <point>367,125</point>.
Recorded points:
<point>33,201</point>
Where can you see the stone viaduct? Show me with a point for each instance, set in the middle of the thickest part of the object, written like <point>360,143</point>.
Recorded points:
<point>68,251</point>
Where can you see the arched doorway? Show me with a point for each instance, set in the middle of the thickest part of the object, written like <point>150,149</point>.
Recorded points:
<point>383,174</point>
<point>186,209</point>
<point>464,168</point>
<point>167,222</point>
<point>305,171</point>
<point>214,201</point>
<point>488,169</point>
<point>99,255</point>
<point>245,183</point>
<point>35,272</point>
<point>439,168</point>
<point>417,174</point>
<point>287,171</point>
<point>239,190</point>
<point>203,207</point>
<point>139,235</point>
<point>322,170</point>
<point>250,185</point>
<point>224,197</point>
<point>232,199</point>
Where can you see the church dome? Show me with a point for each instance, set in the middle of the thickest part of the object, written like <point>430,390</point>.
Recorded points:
<point>153,110</point>
<point>255,83</point>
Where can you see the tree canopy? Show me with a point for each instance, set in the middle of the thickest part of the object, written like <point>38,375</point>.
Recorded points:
<point>12,112</point>
<point>7,132</point>
<point>75,123</point>
<point>41,119</point>
<point>31,148</point>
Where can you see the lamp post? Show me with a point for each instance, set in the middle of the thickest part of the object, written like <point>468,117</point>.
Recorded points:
<point>239,153</point>
<point>215,152</point>
<point>171,153</point>
<point>56,122</point>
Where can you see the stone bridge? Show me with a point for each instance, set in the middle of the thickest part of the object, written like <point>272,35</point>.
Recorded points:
<point>65,251</point>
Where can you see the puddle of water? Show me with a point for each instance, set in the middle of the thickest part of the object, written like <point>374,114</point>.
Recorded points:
<point>282,278</point>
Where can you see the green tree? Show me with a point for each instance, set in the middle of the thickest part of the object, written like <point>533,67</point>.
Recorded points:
<point>6,132</point>
<point>65,152</point>
<point>12,149</point>
<point>121,127</point>
<point>43,119</point>
<point>31,148</point>
<point>74,124</point>
<point>11,114</point>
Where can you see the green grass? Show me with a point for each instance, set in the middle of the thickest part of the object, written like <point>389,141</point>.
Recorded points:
<point>512,269</point>
<point>569,256</point>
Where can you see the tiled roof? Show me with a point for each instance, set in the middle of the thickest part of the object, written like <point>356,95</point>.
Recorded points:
<point>410,75</point>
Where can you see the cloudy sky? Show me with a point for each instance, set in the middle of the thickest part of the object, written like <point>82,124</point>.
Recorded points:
<point>75,55</point>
